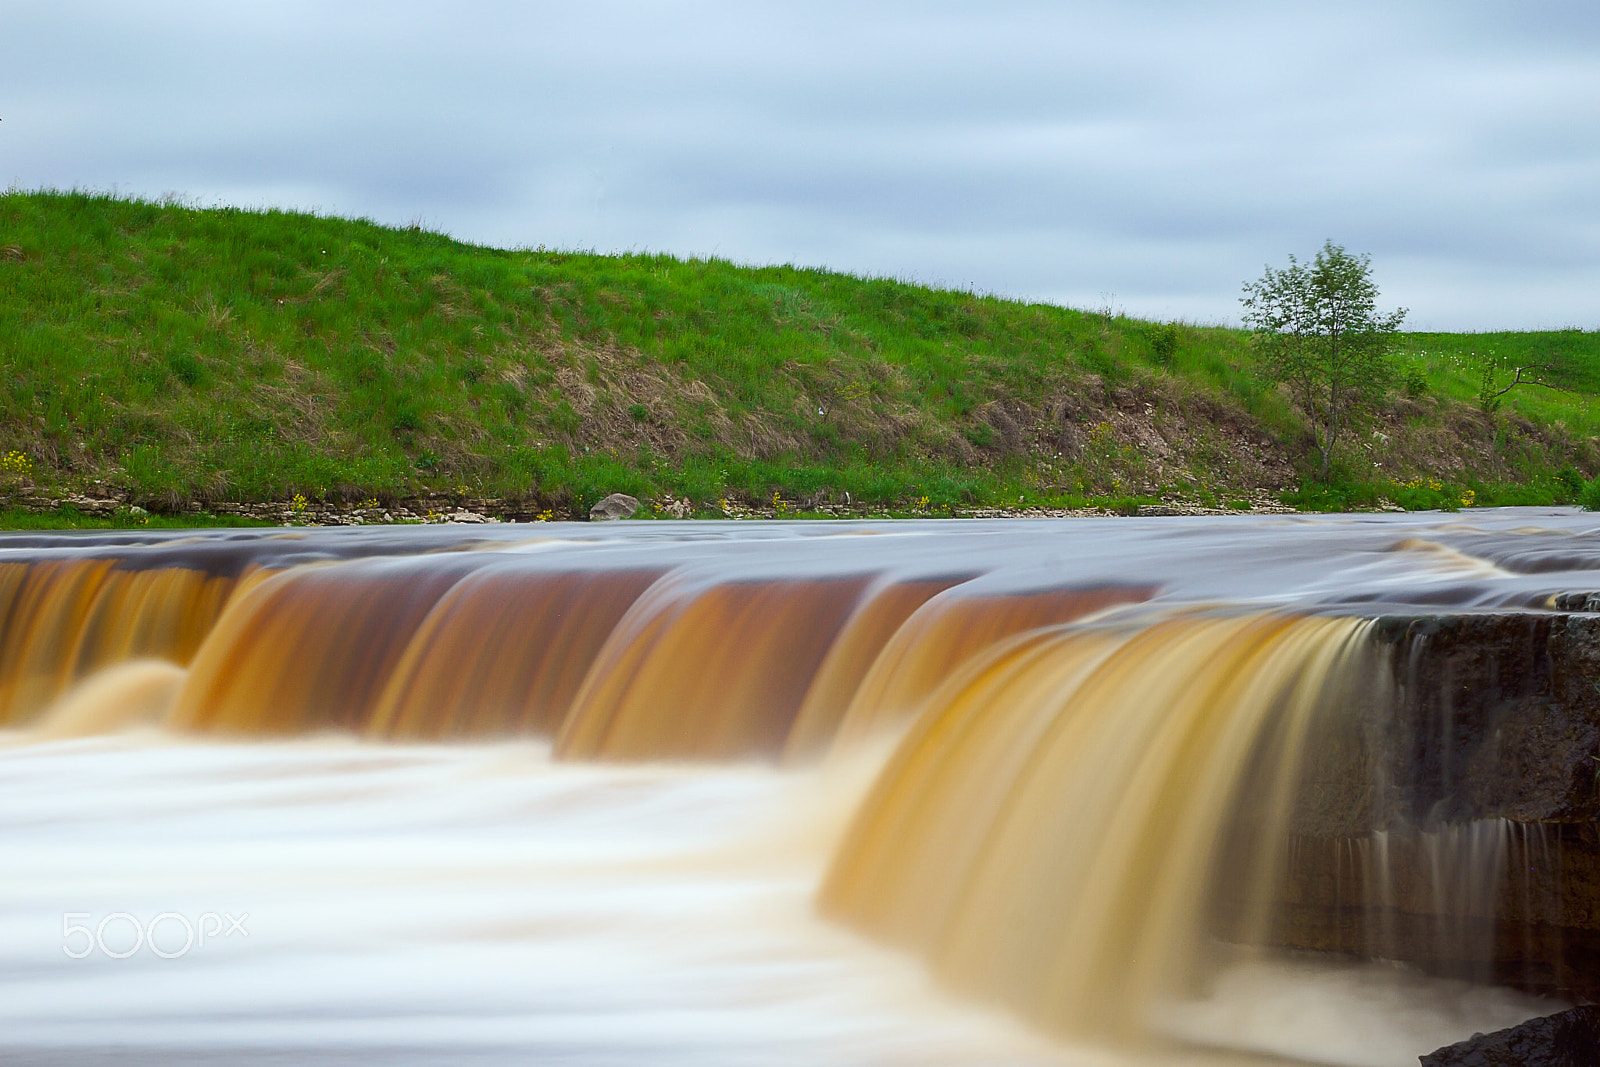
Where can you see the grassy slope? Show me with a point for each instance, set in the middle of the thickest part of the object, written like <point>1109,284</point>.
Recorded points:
<point>183,356</point>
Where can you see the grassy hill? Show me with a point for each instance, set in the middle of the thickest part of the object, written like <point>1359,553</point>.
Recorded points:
<point>176,358</point>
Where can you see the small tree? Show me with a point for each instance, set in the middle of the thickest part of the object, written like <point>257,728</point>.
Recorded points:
<point>1489,397</point>
<point>1318,331</point>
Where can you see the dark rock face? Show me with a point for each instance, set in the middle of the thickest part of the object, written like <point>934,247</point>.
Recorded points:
<point>1566,1039</point>
<point>1512,903</point>
<point>1450,808</point>
<point>1494,716</point>
<point>1464,717</point>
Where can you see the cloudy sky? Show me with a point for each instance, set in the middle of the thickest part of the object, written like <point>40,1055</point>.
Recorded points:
<point>1147,156</point>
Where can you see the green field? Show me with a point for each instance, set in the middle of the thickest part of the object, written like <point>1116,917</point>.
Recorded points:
<point>176,358</point>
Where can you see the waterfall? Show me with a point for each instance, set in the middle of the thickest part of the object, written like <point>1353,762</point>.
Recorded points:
<point>1085,786</point>
<point>1048,833</point>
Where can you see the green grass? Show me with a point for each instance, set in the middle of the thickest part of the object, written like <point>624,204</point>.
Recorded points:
<point>182,357</point>
<point>68,518</point>
<point>1453,366</point>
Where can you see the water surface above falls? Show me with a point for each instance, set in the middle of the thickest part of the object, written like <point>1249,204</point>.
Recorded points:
<point>1013,754</point>
<point>1494,556</point>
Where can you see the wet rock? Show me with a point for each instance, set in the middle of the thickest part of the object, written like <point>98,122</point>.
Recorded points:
<point>1496,716</point>
<point>1449,814</point>
<point>1566,1039</point>
<point>1506,903</point>
<point>1468,717</point>
<point>615,506</point>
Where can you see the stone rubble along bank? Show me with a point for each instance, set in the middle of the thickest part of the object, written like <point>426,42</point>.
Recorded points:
<point>441,508</point>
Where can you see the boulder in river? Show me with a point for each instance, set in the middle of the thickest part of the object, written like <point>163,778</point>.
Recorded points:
<point>1566,1039</point>
<point>615,506</point>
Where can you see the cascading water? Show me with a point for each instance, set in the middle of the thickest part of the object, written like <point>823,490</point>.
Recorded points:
<point>1088,773</point>
<point>66,618</point>
<point>1048,833</point>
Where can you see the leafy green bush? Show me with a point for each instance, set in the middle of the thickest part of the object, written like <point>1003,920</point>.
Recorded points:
<point>1570,485</point>
<point>1521,495</point>
<point>1163,343</point>
<point>1335,496</point>
<point>1318,498</point>
<point>1426,497</point>
<point>1590,497</point>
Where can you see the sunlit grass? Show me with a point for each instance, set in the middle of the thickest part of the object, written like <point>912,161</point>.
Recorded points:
<point>67,518</point>
<point>186,356</point>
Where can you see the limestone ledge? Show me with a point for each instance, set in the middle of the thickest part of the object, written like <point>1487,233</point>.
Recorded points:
<point>1449,813</point>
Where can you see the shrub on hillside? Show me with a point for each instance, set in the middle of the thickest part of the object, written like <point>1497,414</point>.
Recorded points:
<point>1590,497</point>
<point>1427,494</point>
<point>1163,342</point>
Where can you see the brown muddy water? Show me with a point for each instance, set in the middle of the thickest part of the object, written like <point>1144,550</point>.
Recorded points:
<point>951,792</point>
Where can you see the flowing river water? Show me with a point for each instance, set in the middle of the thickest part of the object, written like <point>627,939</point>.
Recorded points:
<point>959,792</point>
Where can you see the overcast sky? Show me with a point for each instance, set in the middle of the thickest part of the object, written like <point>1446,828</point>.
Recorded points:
<point>1148,156</point>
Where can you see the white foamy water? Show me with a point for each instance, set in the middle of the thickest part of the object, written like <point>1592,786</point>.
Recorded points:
<point>1356,1014</point>
<point>480,905</point>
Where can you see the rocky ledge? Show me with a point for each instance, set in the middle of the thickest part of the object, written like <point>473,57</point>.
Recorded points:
<point>1450,811</point>
<point>1566,1039</point>
<point>441,507</point>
